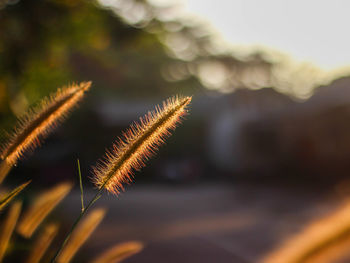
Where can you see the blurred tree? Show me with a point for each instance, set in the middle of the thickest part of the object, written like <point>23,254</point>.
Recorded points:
<point>45,44</point>
<point>127,48</point>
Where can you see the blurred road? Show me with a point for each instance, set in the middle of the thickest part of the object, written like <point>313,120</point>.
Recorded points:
<point>202,223</point>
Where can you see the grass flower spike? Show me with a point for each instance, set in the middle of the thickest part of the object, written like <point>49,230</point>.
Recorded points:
<point>38,122</point>
<point>139,142</point>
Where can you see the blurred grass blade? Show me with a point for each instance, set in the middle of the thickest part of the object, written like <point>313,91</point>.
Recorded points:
<point>5,168</point>
<point>41,207</point>
<point>4,201</point>
<point>317,237</point>
<point>336,252</point>
<point>42,243</point>
<point>8,227</point>
<point>81,234</point>
<point>119,252</point>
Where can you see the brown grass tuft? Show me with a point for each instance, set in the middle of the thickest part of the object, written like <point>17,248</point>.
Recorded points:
<point>41,207</point>
<point>138,144</point>
<point>81,234</point>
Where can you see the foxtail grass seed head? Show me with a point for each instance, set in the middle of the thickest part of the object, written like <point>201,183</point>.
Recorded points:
<point>138,144</point>
<point>41,120</point>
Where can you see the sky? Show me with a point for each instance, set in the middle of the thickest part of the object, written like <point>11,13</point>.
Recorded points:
<point>316,31</point>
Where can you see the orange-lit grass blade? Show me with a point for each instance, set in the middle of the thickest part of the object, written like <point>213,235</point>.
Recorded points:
<point>42,243</point>
<point>8,197</point>
<point>119,252</point>
<point>41,207</point>
<point>317,237</point>
<point>38,123</point>
<point>8,227</point>
<point>336,252</point>
<point>81,234</point>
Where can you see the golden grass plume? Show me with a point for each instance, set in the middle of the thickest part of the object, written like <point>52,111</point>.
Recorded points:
<point>138,144</point>
<point>8,227</point>
<point>81,234</point>
<point>41,207</point>
<point>319,240</point>
<point>42,243</point>
<point>41,120</point>
<point>119,252</point>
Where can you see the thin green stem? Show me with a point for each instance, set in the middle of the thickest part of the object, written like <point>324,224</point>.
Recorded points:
<point>81,188</point>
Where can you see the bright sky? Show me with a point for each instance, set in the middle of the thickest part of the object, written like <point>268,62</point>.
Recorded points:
<point>312,30</point>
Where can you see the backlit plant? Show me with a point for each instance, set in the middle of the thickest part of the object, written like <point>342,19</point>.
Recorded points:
<point>127,155</point>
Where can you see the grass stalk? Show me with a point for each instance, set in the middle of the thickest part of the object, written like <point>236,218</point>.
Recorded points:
<point>81,187</point>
